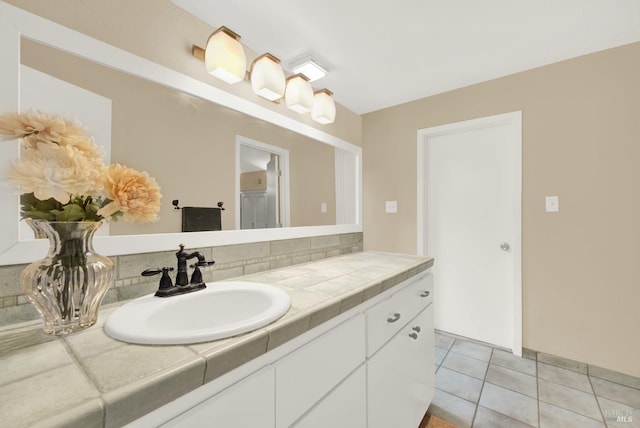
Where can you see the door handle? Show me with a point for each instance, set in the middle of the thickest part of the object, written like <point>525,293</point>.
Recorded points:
<point>505,246</point>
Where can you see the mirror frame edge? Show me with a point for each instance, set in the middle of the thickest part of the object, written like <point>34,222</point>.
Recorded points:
<point>21,23</point>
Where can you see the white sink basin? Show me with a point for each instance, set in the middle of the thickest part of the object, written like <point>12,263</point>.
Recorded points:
<point>223,309</point>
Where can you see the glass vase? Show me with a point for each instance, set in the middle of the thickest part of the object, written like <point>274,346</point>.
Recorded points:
<point>68,285</point>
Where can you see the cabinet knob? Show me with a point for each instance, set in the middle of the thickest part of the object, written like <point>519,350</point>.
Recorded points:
<point>394,318</point>
<point>414,336</point>
<point>416,329</point>
<point>425,294</point>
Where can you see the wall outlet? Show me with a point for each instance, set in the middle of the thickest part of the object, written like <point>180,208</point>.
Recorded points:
<point>323,207</point>
<point>391,207</point>
<point>551,204</point>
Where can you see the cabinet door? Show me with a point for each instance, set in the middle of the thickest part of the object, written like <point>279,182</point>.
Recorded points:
<point>401,376</point>
<point>309,373</point>
<point>345,406</point>
<point>248,403</point>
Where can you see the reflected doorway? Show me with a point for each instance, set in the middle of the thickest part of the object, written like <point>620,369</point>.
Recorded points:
<point>262,189</point>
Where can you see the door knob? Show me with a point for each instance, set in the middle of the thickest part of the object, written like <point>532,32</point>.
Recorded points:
<point>505,246</point>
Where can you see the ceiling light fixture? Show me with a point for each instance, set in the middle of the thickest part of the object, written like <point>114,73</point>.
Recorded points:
<point>310,68</point>
<point>267,77</point>
<point>324,108</point>
<point>224,56</point>
<point>299,93</point>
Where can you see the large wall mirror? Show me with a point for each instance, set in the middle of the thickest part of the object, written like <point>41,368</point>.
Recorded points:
<point>200,143</point>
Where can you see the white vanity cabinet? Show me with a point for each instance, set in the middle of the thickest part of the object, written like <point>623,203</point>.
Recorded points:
<point>401,376</point>
<point>372,366</point>
<point>345,406</point>
<point>306,375</point>
<point>400,368</point>
<point>248,403</point>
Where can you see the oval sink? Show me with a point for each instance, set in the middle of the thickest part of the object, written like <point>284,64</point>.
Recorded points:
<point>221,310</point>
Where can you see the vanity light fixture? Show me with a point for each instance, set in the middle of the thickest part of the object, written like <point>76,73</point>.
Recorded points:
<point>224,56</point>
<point>324,108</point>
<point>267,77</point>
<point>310,68</point>
<point>299,94</point>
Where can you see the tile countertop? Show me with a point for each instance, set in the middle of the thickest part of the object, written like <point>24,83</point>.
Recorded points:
<point>88,379</point>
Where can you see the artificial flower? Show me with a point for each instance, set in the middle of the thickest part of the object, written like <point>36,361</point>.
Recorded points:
<point>135,194</point>
<point>62,177</point>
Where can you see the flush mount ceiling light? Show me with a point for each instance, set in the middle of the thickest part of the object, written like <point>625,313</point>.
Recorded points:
<point>267,77</point>
<point>324,108</point>
<point>224,56</point>
<point>299,93</point>
<point>309,68</point>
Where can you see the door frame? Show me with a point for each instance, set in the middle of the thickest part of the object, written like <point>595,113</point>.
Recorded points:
<point>285,206</point>
<point>513,119</point>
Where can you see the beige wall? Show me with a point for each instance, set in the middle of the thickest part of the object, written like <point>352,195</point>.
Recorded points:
<point>581,141</point>
<point>164,33</point>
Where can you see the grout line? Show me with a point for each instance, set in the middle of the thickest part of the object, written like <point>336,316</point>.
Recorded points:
<point>604,420</point>
<point>484,380</point>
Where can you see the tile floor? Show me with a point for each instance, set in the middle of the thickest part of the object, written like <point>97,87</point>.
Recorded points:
<point>481,386</point>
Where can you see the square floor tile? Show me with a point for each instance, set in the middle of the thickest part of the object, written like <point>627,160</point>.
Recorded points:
<point>452,409</point>
<point>510,361</point>
<point>439,355</point>
<point>513,380</point>
<point>443,341</point>
<point>554,417</point>
<point>618,393</point>
<point>458,384</point>
<point>467,365</point>
<point>510,403</point>
<point>474,350</point>
<point>571,399</point>
<point>564,377</point>
<point>487,418</point>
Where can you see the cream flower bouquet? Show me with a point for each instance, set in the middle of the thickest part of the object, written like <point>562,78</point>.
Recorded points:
<point>66,193</point>
<point>62,177</point>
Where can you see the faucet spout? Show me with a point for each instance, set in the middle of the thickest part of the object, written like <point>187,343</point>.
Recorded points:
<point>182,278</point>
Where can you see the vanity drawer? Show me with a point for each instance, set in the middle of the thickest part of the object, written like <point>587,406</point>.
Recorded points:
<point>387,317</point>
<point>307,374</point>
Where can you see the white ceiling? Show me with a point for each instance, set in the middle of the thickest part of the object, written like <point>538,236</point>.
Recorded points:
<point>382,53</point>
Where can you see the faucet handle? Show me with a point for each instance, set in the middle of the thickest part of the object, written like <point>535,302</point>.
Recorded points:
<point>165,281</point>
<point>203,263</point>
<point>151,272</point>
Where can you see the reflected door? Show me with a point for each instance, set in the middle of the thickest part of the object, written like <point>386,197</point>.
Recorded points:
<point>253,210</point>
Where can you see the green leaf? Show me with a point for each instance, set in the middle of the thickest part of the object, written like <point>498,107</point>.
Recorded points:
<point>70,212</point>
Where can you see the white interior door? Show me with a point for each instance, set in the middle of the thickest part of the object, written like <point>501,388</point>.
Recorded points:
<point>471,209</point>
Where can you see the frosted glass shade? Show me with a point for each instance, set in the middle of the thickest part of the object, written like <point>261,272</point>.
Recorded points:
<point>267,77</point>
<point>224,56</point>
<point>299,93</point>
<point>324,108</point>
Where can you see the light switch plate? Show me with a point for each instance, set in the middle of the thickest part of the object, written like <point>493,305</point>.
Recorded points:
<point>323,207</point>
<point>391,207</point>
<point>552,204</point>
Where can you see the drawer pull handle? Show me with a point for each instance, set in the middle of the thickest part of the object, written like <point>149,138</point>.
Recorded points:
<point>416,329</point>
<point>425,294</point>
<point>394,318</point>
<point>414,336</point>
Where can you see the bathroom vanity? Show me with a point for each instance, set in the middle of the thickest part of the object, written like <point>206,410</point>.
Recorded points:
<point>354,350</point>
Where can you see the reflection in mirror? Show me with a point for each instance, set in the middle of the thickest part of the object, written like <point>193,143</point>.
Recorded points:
<point>263,189</point>
<point>186,143</point>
